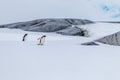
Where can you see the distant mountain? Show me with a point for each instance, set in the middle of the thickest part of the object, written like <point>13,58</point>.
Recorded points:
<point>61,26</point>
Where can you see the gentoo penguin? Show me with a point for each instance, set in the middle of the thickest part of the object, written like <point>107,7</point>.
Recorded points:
<point>24,37</point>
<point>42,40</point>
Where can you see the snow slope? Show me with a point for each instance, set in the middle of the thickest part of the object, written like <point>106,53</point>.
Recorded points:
<point>61,58</point>
<point>99,30</point>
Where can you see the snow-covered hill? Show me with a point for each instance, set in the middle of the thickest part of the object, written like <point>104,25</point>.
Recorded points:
<point>61,58</point>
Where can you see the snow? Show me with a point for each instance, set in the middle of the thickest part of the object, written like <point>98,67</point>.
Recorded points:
<point>99,30</point>
<point>61,58</point>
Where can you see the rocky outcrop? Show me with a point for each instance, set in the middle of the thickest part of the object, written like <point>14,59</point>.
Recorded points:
<point>61,26</point>
<point>113,39</point>
<point>74,31</point>
<point>90,44</point>
<point>71,31</point>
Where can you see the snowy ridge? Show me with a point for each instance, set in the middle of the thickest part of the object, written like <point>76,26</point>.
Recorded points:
<point>99,30</point>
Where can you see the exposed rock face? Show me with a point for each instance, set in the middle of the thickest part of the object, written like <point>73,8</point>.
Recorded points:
<point>62,26</point>
<point>90,44</point>
<point>113,39</point>
<point>71,31</point>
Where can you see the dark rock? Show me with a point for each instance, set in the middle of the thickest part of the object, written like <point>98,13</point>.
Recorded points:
<point>90,44</point>
<point>113,39</point>
<point>2,26</point>
<point>75,31</point>
<point>71,31</point>
<point>50,25</point>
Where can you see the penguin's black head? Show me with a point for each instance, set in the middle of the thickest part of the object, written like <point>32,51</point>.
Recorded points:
<point>26,34</point>
<point>44,35</point>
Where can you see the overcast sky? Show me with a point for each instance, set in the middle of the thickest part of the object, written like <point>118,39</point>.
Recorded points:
<point>22,10</point>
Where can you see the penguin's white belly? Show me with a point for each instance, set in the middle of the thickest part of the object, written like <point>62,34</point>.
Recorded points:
<point>42,41</point>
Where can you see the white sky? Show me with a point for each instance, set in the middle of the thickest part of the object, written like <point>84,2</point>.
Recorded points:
<point>22,10</point>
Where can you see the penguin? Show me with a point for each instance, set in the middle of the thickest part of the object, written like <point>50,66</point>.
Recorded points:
<point>24,37</point>
<point>42,40</point>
